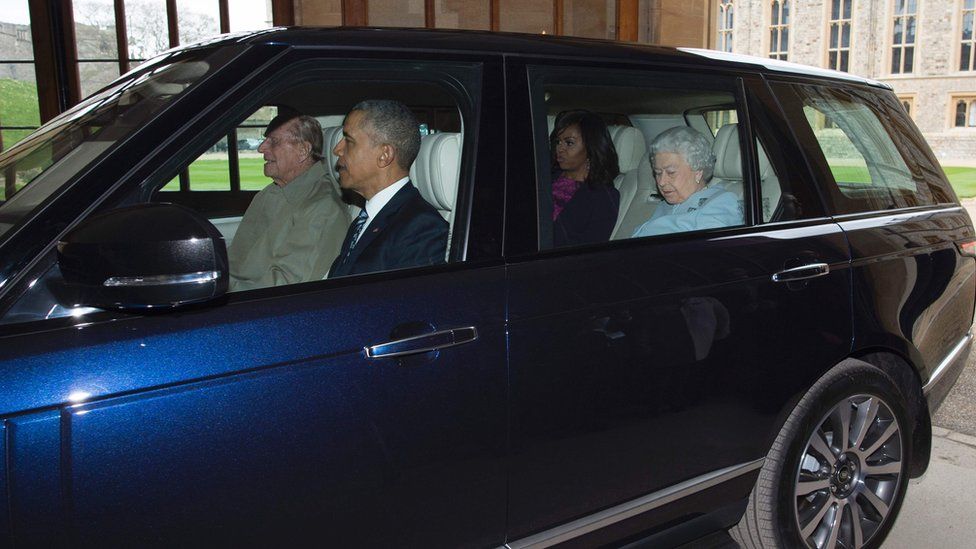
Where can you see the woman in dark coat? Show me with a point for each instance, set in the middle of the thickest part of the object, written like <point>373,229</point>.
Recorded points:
<point>584,200</point>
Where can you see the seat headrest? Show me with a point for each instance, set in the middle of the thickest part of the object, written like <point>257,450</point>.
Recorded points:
<point>630,146</point>
<point>728,155</point>
<point>330,138</point>
<point>436,170</point>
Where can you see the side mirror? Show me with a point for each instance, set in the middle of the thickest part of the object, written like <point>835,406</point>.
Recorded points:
<point>142,257</point>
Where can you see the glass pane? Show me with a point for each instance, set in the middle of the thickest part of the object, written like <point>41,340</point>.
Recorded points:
<point>588,18</point>
<point>396,13</point>
<point>95,29</point>
<point>912,6</point>
<point>847,9</point>
<point>899,7</point>
<point>967,26</point>
<point>18,96</point>
<point>533,16</point>
<point>835,9</point>
<point>211,171</point>
<point>784,39</point>
<point>845,40</point>
<point>832,60</point>
<point>774,17</point>
<point>969,4</point>
<point>773,41</point>
<point>94,76</point>
<point>844,60</point>
<point>731,15</point>
<point>964,61</point>
<point>910,32</point>
<point>248,15</point>
<point>972,115</point>
<point>320,13</point>
<point>786,12</point>
<point>897,39</point>
<point>908,107</point>
<point>198,19</point>
<point>909,58</point>
<point>146,30</point>
<point>16,44</point>
<point>251,162</point>
<point>173,185</point>
<point>833,35</point>
<point>10,137</point>
<point>960,114</point>
<point>895,60</point>
<point>462,14</point>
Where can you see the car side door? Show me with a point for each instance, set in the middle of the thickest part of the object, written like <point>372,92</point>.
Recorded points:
<point>649,374</point>
<point>262,417</point>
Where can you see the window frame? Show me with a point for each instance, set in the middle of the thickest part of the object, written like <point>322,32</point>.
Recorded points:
<point>840,24</point>
<point>725,34</point>
<point>904,45</point>
<point>778,7</point>
<point>969,122</point>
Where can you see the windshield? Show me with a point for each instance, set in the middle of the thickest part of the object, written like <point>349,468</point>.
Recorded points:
<point>43,162</point>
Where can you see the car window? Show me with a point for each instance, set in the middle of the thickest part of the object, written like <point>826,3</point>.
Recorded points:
<point>600,177</point>
<point>872,157</point>
<point>42,164</point>
<point>304,247</point>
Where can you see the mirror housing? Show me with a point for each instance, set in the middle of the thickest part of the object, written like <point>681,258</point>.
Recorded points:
<point>143,257</point>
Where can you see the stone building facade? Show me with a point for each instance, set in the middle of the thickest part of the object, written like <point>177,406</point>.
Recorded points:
<point>921,48</point>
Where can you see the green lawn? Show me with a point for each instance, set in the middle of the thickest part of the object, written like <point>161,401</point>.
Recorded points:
<point>212,174</point>
<point>962,179</point>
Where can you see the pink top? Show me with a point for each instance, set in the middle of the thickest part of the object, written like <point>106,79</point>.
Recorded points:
<point>563,189</point>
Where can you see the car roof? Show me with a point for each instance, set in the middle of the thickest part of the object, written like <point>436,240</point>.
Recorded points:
<point>523,44</point>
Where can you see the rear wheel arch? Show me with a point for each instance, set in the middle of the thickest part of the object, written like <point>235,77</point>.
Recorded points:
<point>907,378</point>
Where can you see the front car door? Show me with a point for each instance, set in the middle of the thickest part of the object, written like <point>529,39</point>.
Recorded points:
<point>259,416</point>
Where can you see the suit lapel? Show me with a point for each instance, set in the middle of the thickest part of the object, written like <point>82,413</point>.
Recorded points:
<point>381,221</point>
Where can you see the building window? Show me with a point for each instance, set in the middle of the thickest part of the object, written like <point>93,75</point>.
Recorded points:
<point>19,108</point>
<point>779,30</point>
<point>839,47</point>
<point>726,16</point>
<point>968,41</point>
<point>965,115</point>
<point>903,37</point>
<point>908,103</point>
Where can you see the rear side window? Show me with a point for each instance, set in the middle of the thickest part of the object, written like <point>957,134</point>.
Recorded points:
<point>875,160</point>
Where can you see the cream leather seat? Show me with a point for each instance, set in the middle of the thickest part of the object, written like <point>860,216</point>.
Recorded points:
<point>436,171</point>
<point>635,182</point>
<point>728,170</point>
<point>330,138</point>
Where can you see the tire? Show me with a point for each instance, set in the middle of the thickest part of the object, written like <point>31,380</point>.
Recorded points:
<point>807,498</point>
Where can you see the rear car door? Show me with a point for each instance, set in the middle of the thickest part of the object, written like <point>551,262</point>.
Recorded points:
<point>649,374</point>
<point>259,417</point>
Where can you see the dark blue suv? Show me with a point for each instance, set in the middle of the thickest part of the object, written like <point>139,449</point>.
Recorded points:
<point>773,374</point>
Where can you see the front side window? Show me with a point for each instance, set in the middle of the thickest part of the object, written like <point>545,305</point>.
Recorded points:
<point>726,20</point>
<point>40,165</point>
<point>839,45</point>
<point>779,30</point>
<point>903,36</point>
<point>967,53</point>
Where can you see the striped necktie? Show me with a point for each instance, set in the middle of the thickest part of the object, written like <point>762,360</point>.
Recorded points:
<point>357,229</point>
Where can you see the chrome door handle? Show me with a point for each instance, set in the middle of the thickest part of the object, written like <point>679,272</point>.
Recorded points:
<point>423,343</point>
<point>803,272</point>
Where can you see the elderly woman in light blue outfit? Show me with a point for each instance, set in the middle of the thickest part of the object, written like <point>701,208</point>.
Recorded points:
<point>683,162</point>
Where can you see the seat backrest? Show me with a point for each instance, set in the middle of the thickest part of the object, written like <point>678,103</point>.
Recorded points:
<point>728,170</point>
<point>635,182</point>
<point>436,170</point>
<point>330,138</point>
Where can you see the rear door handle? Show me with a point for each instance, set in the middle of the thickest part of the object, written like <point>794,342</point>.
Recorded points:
<point>803,272</point>
<point>423,343</point>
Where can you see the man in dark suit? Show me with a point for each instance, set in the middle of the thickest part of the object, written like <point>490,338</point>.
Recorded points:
<point>397,227</point>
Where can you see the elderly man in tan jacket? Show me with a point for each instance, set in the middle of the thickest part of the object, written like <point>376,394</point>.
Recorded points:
<point>294,227</point>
